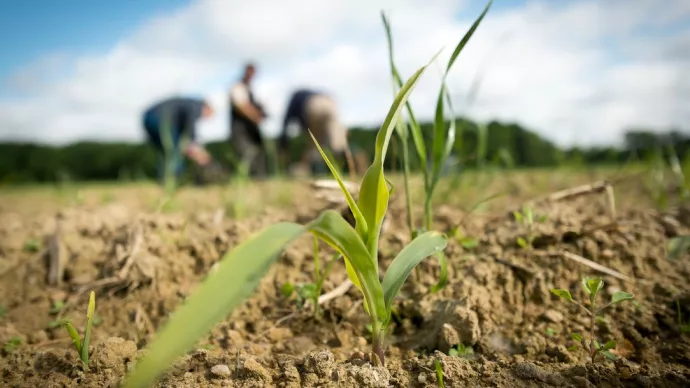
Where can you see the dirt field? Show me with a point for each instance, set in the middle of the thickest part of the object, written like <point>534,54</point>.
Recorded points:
<point>143,258</point>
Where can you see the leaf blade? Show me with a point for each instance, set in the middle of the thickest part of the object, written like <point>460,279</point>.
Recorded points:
<point>216,297</point>
<point>402,265</point>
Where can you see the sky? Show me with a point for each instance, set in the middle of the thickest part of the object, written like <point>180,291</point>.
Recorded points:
<point>578,72</point>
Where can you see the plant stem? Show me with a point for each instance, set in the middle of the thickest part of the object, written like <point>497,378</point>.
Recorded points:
<point>379,342</point>
<point>592,349</point>
<point>427,211</point>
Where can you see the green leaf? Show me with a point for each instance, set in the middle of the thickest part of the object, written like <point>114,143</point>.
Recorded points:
<point>409,257</point>
<point>74,335</point>
<point>518,216</point>
<point>443,275</point>
<point>439,374</point>
<point>453,352</point>
<point>337,232</point>
<point>469,242</point>
<point>308,291</point>
<point>287,289</point>
<point>87,333</point>
<point>621,296</point>
<point>541,218</point>
<point>521,242</point>
<point>529,215</point>
<point>610,345</point>
<point>577,337</point>
<point>374,194</point>
<point>237,276</point>
<point>467,37</point>
<point>360,223</point>
<point>565,294</point>
<point>677,246</point>
<point>593,285</point>
<point>573,348</point>
<point>608,355</point>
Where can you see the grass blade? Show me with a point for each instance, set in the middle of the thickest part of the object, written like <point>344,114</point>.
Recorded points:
<point>360,223</point>
<point>423,246</point>
<point>87,333</point>
<point>467,36</point>
<point>237,276</point>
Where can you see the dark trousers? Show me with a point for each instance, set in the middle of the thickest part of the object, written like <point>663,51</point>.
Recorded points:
<point>251,152</point>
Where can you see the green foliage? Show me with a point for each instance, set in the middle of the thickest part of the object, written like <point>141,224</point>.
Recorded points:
<point>527,218</point>
<point>236,277</point>
<point>439,374</point>
<point>443,139</point>
<point>32,246</point>
<point>12,344</point>
<point>677,246</point>
<point>592,287</point>
<point>460,350</point>
<point>82,345</point>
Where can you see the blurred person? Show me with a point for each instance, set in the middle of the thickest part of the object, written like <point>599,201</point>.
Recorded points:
<point>246,117</point>
<point>317,112</point>
<point>180,114</point>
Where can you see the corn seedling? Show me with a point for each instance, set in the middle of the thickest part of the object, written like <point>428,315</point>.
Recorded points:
<point>592,286</point>
<point>240,271</point>
<point>527,218</point>
<point>443,139</point>
<point>82,346</point>
<point>439,374</point>
<point>311,291</point>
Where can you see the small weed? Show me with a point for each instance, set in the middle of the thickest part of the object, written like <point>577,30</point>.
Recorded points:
<point>32,246</point>
<point>683,326</point>
<point>12,344</point>
<point>82,346</point>
<point>527,219</point>
<point>551,332</point>
<point>592,286</point>
<point>460,350</point>
<point>58,305</point>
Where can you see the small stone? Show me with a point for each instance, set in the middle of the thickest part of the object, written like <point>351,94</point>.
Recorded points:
<point>422,378</point>
<point>553,316</point>
<point>252,368</point>
<point>448,337</point>
<point>278,334</point>
<point>234,337</point>
<point>221,370</point>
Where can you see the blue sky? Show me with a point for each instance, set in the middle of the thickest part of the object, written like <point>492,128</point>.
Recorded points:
<point>570,68</point>
<point>39,27</point>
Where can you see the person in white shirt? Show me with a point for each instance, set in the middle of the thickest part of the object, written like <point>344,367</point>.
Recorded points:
<point>245,121</point>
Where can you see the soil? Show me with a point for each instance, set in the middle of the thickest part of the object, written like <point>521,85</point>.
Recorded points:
<point>142,264</point>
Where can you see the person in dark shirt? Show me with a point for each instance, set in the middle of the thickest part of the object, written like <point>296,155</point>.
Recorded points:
<point>246,116</point>
<point>317,112</point>
<point>179,115</point>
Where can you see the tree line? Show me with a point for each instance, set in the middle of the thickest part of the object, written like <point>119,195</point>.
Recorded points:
<point>496,143</point>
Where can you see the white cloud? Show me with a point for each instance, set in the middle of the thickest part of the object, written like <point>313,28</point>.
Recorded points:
<point>572,71</point>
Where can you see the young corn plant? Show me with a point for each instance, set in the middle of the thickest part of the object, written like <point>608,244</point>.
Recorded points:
<point>240,271</point>
<point>443,140</point>
<point>527,218</point>
<point>82,346</point>
<point>311,291</point>
<point>592,286</point>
